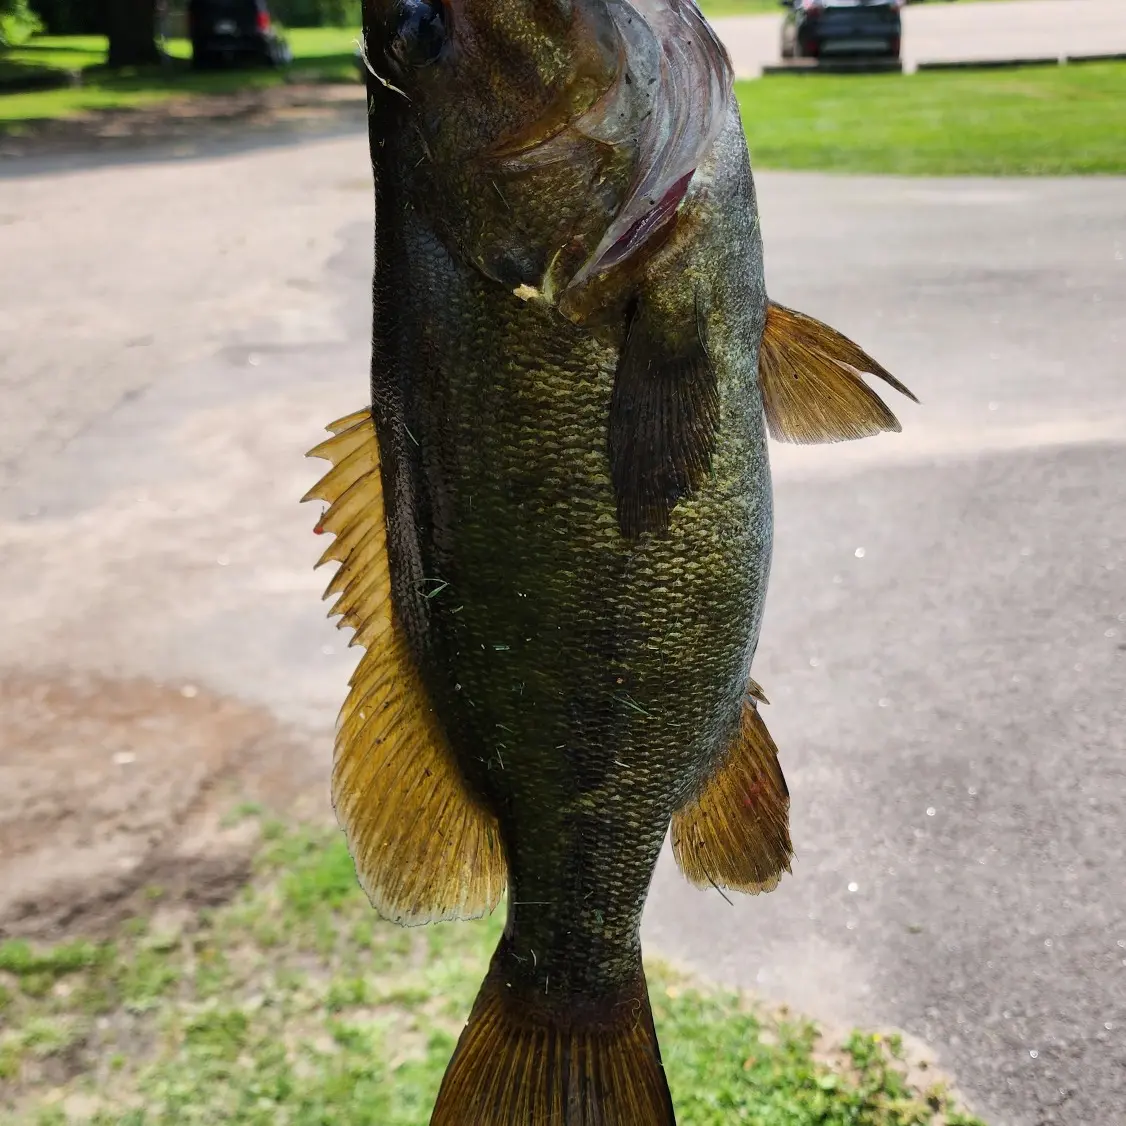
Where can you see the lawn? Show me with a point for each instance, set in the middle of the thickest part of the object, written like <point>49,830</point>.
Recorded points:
<point>1031,121</point>
<point>1045,120</point>
<point>718,9</point>
<point>295,1004</point>
<point>319,55</point>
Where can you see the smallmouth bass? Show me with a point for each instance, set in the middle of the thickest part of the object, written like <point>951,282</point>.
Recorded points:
<point>554,522</point>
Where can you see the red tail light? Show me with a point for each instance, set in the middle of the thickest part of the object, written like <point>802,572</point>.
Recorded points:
<point>263,21</point>
<point>812,5</point>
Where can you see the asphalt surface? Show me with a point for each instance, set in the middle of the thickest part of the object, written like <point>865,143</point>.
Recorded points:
<point>945,644</point>
<point>945,32</point>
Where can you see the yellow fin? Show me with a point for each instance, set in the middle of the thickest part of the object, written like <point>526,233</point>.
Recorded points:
<point>519,1063</point>
<point>735,834</point>
<point>424,849</point>
<point>348,421</point>
<point>812,389</point>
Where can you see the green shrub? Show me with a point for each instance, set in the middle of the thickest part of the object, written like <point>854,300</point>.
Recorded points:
<point>17,22</point>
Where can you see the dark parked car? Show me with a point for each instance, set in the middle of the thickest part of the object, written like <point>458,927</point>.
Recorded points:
<point>234,31</point>
<point>823,29</point>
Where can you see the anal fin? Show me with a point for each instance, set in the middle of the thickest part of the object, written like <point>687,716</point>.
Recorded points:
<point>424,848</point>
<point>735,834</point>
<point>812,385</point>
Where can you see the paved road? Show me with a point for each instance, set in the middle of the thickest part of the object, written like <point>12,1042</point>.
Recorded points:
<point>951,704</point>
<point>940,32</point>
<point>946,635</point>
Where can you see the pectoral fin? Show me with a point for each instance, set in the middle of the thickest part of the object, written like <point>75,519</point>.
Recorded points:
<point>424,849</point>
<point>664,415</point>
<point>735,834</point>
<point>812,388</point>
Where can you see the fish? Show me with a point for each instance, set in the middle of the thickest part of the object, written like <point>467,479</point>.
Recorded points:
<point>553,524</point>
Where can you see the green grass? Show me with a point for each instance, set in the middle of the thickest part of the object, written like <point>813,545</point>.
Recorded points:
<point>319,55</point>
<point>66,52</point>
<point>295,1004</point>
<point>719,9</point>
<point>1029,121</point>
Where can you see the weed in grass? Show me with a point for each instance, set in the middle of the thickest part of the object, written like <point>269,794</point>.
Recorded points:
<point>147,978</point>
<point>212,972</point>
<point>345,993</point>
<point>323,878</point>
<point>218,1033</point>
<point>18,958</point>
<point>9,1059</point>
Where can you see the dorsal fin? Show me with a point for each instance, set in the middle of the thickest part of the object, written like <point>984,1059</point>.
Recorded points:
<point>424,848</point>
<point>812,389</point>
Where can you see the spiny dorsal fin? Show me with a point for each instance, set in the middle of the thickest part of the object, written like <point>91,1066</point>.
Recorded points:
<point>424,849</point>
<point>812,388</point>
<point>735,834</point>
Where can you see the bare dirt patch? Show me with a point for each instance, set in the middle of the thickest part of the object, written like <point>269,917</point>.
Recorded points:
<point>111,788</point>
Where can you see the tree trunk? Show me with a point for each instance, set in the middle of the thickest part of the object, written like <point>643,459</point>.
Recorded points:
<point>131,25</point>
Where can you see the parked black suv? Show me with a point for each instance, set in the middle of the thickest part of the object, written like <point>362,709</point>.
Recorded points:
<point>823,29</point>
<point>234,31</point>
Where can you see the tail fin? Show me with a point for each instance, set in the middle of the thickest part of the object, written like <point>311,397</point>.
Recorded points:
<point>521,1063</point>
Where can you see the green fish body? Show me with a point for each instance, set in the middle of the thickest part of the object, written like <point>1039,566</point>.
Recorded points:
<point>554,529</point>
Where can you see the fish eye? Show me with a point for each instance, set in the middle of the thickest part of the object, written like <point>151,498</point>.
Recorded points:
<point>421,32</point>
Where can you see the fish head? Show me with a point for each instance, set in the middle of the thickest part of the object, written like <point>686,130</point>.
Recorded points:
<point>549,141</point>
